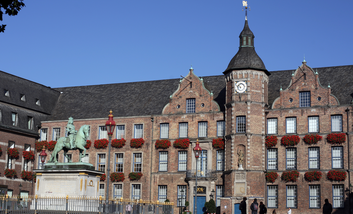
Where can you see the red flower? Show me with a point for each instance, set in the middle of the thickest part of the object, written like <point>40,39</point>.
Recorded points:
<point>162,144</point>
<point>181,143</point>
<point>290,176</point>
<point>101,144</point>
<point>103,177</point>
<point>88,144</point>
<point>136,142</point>
<point>313,176</point>
<point>135,175</point>
<point>51,145</point>
<point>40,144</point>
<point>336,138</point>
<point>337,175</point>
<point>118,143</point>
<point>271,176</point>
<point>290,140</point>
<point>218,143</point>
<point>271,141</point>
<point>28,155</point>
<point>10,173</point>
<point>117,177</point>
<point>27,175</point>
<point>13,153</point>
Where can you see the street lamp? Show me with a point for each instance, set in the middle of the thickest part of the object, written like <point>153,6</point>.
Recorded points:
<point>197,150</point>
<point>43,155</point>
<point>181,200</point>
<point>110,124</point>
<point>212,194</point>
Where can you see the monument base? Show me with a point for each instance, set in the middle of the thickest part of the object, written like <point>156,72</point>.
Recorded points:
<point>67,179</point>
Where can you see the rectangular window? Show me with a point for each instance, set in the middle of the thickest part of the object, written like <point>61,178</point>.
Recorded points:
<point>182,160</point>
<point>314,158</point>
<point>181,196</point>
<point>44,134</point>
<point>27,148</point>
<point>85,159</point>
<point>10,161</point>
<point>164,130</point>
<point>291,158</point>
<point>119,162</point>
<point>291,125</point>
<point>337,157</point>
<point>272,126</point>
<point>103,134</point>
<point>120,131</point>
<point>220,128</point>
<point>304,99</point>
<point>101,162</point>
<point>190,105</point>
<point>219,194</point>
<point>138,131</point>
<point>101,190</point>
<point>272,196</point>
<point>313,124</point>
<point>336,123</point>
<point>183,130</point>
<point>118,191</point>
<point>337,196</point>
<point>241,124</point>
<point>314,196</point>
<point>69,159</point>
<point>56,134</point>
<point>162,193</point>
<point>135,191</point>
<point>30,122</point>
<point>272,159</point>
<point>220,160</point>
<point>202,129</point>
<point>137,162</point>
<point>292,196</point>
<point>14,119</point>
<point>163,161</point>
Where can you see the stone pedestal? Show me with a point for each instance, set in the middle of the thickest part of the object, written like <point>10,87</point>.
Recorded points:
<point>67,179</point>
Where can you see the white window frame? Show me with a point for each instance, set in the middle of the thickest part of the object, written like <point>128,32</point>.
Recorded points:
<point>117,191</point>
<point>220,160</point>
<point>101,162</point>
<point>102,132</point>
<point>241,124</point>
<point>203,128</point>
<point>135,191</point>
<point>138,130</point>
<point>314,157</point>
<point>272,124</point>
<point>272,196</point>
<point>137,162</point>
<point>190,105</point>
<point>291,196</point>
<point>272,159</point>
<point>291,158</point>
<point>304,99</point>
<point>101,190</point>
<point>337,157</point>
<point>163,161</point>
<point>164,130</point>
<point>120,131</point>
<point>43,134</point>
<point>291,125</point>
<point>181,198</point>
<point>220,128</point>
<point>56,134</point>
<point>30,122</point>
<point>314,196</point>
<point>313,124</point>
<point>14,118</point>
<point>162,193</point>
<point>119,162</point>
<point>219,194</point>
<point>183,130</point>
<point>336,123</point>
<point>337,195</point>
<point>10,161</point>
<point>182,160</point>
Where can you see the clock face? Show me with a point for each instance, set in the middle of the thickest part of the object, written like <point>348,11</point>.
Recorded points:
<point>240,87</point>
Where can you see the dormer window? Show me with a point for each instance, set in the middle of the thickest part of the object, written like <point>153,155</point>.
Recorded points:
<point>14,118</point>
<point>23,97</point>
<point>304,99</point>
<point>37,102</point>
<point>7,93</point>
<point>190,105</point>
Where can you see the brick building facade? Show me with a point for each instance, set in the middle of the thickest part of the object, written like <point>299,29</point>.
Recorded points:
<point>244,107</point>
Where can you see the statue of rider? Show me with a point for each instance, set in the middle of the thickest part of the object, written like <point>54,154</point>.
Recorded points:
<point>71,132</point>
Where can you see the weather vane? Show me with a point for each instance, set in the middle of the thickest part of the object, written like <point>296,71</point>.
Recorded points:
<point>245,6</point>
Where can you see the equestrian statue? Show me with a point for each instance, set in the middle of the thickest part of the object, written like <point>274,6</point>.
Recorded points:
<point>75,140</point>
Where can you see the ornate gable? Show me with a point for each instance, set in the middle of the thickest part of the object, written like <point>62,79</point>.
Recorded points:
<point>305,90</point>
<point>191,90</point>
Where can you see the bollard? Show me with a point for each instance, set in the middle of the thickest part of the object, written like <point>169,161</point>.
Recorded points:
<point>100,204</point>
<point>67,203</point>
<point>35,204</point>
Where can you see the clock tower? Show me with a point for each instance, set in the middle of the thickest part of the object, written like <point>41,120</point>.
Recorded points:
<point>246,98</point>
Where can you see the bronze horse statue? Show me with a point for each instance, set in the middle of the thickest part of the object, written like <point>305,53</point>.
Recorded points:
<point>80,141</point>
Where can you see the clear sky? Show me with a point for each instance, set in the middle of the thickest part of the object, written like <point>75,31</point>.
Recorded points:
<point>76,42</point>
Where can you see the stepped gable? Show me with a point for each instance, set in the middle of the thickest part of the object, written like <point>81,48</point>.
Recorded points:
<point>125,99</point>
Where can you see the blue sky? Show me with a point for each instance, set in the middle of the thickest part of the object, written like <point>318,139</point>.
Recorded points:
<point>74,43</point>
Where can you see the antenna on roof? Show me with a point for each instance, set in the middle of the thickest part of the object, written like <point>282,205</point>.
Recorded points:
<point>245,6</point>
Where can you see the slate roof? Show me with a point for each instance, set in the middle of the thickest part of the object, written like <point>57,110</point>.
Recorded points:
<point>149,98</point>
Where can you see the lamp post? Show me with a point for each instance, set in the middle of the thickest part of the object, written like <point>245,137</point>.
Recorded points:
<point>110,124</point>
<point>181,200</point>
<point>212,194</point>
<point>197,150</point>
<point>43,155</point>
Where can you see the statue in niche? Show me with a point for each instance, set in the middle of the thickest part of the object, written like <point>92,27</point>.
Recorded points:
<point>75,140</point>
<point>240,158</point>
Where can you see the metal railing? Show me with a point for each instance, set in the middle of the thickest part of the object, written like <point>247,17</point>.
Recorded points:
<point>208,174</point>
<point>68,205</point>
